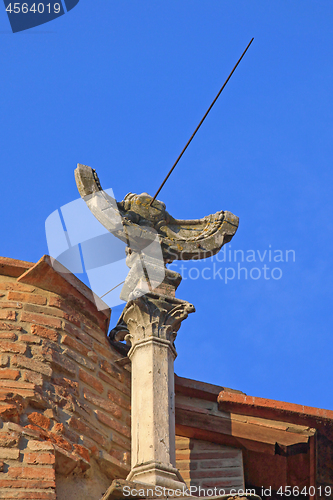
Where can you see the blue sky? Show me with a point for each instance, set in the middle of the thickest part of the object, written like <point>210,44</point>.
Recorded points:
<point>120,86</point>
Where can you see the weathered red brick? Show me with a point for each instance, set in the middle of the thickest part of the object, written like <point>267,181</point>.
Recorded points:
<point>58,428</point>
<point>61,363</point>
<point>60,441</point>
<point>14,384</point>
<point>40,319</point>
<point>127,378</point>
<point>39,432</point>
<point>79,426</point>
<point>64,431</point>
<point>214,455</point>
<point>112,370</point>
<point>56,301</point>
<point>4,359</point>
<point>12,347</point>
<point>52,414</point>
<point>6,395</point>
<point>69,384</point>
<point>44,351</point>
<point>28,484</point>
<point>82,451</point>
<point>91,380</point>
<point>183,455</point>
<point>79,359</point>
<point>32,364</point>
<point>10,327</point>
<point>9,453</point>
<point>9,411</point>
<point>82,349</point>
<point>27,297</point>
<point>74,290</point>
<point>113,424</point>
<point>27,495</point>
<point>86,307</point>
<point>8,335</point>
<point>68,312</point>
<point>90,445</point>
<point>114,383</point>
<point>95,332</point>
<point>8,391</point>
<point>186,475</point>
<point>40,420</point>
<point>73,318</point>
<point>102,403</point>
<point>119,400</point>
<point>206,474</point>
<point>10,304</point>
<point>13,285</point>
<point>29,339</point>
<point>121,456</point>
<point>93,356</point>
<point>63,399</point>
<point>39,458</point>
<point>45,333</point>
<point>74,344</point>
<point>40,445</point>
<point>124,443</point>
<point>212,464</point>
<point>23,430</point>
<point>46,473</point>
<point>78,334</point>
<point>221,483</point>
<point>13,267</point>
<point>104,351</point>
<point>15,397</point>
<point>33,377</point>
<point>11,315</point>
<point>7,373</point>
<point>9,439</point>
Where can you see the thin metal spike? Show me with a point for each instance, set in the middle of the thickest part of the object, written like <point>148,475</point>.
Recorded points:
<point>196,130</point>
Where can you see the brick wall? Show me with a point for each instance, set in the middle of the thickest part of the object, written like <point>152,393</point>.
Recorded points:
<point>207,465</point>
<point>64,399</point>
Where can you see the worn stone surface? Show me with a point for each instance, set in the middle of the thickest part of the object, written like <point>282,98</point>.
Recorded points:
<point>153,237</point>
<point>152,324</point>
<point>180,239</point>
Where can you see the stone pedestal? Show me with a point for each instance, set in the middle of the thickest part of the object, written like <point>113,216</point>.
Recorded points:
<point>152,322</point>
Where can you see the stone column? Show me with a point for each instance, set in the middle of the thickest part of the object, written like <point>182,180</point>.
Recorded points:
<point>152,322</point>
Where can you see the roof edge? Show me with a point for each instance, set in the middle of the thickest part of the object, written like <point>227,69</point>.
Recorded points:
<point>202,390</point>
<point>52,276</point>
<point>251,405</point>
<point>14,267</point>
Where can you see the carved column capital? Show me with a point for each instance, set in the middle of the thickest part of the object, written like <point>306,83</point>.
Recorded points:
<point>154,317</point>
